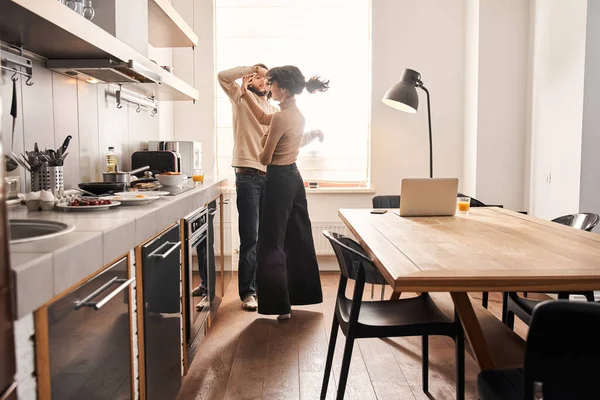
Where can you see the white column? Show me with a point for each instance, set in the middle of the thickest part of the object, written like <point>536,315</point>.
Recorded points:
<point>590,161</point>
<point>496,66</point>
<point>559,62</point>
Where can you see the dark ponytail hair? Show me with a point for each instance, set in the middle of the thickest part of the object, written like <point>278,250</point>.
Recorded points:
<point>289,77</point>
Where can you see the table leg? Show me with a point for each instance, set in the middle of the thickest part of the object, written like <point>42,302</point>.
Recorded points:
<point>473,330</point>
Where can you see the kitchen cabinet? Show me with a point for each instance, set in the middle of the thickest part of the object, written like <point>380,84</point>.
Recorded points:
<point>53,31</point>
<point>159,299</point>
<point>84,339</point>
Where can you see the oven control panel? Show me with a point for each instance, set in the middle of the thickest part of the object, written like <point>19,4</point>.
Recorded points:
<point>198,223</point>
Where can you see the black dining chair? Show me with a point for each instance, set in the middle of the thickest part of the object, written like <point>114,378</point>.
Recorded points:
<point>583,221</point>
<point>386,201</point>
<point>561,356</point>
<point>417,316</point>
<point>522,307</point>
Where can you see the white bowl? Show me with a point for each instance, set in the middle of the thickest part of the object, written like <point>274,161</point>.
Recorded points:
<point>170,180</point>
<point>46,205</point>
<point>33,205</point>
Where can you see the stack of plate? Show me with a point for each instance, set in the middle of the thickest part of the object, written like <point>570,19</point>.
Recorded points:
<point>134,198</point>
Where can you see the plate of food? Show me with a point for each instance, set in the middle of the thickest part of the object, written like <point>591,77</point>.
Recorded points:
<point>92,204</point>
<point>136,199</point>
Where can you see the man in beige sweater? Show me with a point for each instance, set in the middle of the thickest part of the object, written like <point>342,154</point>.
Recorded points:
<point>249,171</point>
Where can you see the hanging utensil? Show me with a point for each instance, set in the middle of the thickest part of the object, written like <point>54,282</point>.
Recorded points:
<point>11,163</point>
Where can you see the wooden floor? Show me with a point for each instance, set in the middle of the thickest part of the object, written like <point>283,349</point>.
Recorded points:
<point>249,356</point>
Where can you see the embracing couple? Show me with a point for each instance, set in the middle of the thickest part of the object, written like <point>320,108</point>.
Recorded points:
<point>278,264</point>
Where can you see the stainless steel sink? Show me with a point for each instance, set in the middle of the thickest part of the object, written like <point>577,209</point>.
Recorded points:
<point>30,230</point>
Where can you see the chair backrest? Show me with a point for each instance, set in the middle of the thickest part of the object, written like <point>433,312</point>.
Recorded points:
<point>477,203</point>
<point>388,201</point>
<point>393,201</point>
<point>563,350</point>
<point>351,257</point>
<point>583,221</point>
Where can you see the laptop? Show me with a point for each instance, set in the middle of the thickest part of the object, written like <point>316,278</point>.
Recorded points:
<point>428,197</point>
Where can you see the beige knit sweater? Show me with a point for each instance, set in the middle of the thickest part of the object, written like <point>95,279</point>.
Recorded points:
<point>247,132</point>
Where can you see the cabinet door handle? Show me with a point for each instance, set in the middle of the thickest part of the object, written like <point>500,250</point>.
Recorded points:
<point>99,304</point>
<point>174,247</point>
<point>226,201</point>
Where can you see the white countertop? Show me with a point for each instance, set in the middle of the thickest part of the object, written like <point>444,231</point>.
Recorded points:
<point>45,268</point>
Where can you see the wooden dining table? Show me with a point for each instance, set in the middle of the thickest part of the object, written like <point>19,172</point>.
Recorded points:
<point>489,249</point>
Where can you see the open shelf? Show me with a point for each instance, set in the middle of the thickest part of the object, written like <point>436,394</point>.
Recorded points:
<point>166,27</point>
<point>53,31</point>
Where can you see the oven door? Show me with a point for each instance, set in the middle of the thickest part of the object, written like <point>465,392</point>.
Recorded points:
<point>198,290</point>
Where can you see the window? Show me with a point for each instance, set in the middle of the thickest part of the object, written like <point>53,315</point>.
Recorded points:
<point>329,38</point>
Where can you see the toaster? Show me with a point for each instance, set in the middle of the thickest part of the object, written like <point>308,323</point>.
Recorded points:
<point>189,151</point>
<point>158,161</point>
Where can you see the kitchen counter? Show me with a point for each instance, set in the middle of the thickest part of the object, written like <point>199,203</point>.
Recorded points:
<point>45,268</point>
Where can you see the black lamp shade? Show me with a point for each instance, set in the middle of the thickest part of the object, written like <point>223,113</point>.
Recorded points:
<point>403,95</point>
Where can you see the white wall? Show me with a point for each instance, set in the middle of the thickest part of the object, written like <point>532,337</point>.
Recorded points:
<point>590,161</point>
<point>427,36</point>
<point>197,67</point>
<point>557,106</point>
<point>501,101</point>
<point>469,183</point>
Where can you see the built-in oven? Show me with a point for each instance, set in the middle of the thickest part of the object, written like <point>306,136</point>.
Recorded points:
<point>89,332</point>
<point>198,282</point>
<point>162,295</point>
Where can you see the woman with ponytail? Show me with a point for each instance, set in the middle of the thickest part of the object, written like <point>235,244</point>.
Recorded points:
<point>288,273</point>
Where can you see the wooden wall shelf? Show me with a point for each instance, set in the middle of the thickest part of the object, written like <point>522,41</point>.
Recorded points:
<point>51,30</point>
<point>166,27</point>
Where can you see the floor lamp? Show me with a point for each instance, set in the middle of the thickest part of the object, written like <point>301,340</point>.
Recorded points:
<point>403,96</point>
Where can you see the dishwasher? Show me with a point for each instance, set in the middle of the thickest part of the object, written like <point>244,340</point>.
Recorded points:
<point>162,294</point>
<point>90,338</point>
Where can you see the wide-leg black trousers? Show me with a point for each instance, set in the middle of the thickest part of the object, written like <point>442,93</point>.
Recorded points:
<point>288,273</point>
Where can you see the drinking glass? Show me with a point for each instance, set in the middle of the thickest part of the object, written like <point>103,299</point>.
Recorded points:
<point>464,204</point>
<point>198,176</point>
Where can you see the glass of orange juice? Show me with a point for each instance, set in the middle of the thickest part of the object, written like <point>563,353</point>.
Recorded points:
<point>198,176</point>
<point>464,204</point>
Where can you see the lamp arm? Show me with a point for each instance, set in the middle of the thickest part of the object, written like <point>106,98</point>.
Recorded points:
<point>420,84</point>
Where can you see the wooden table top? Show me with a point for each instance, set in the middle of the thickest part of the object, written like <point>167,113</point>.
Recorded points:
<point>490,249</point>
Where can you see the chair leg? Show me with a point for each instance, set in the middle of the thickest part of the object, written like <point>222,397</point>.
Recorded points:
<point>510,320</point>
<point>590,296</point>
<point>345,366</point>
<point>563,295</point>
<point>485,299</point>
<point>425,366</point>
<point>382,292</point>
<point>460,364</point>
<point>332,339</point>
<point>504,306</point>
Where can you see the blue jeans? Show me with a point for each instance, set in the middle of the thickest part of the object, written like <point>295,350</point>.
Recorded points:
<point>250,191</point>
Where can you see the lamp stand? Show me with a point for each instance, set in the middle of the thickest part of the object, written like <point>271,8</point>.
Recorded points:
<point>420,84</point>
